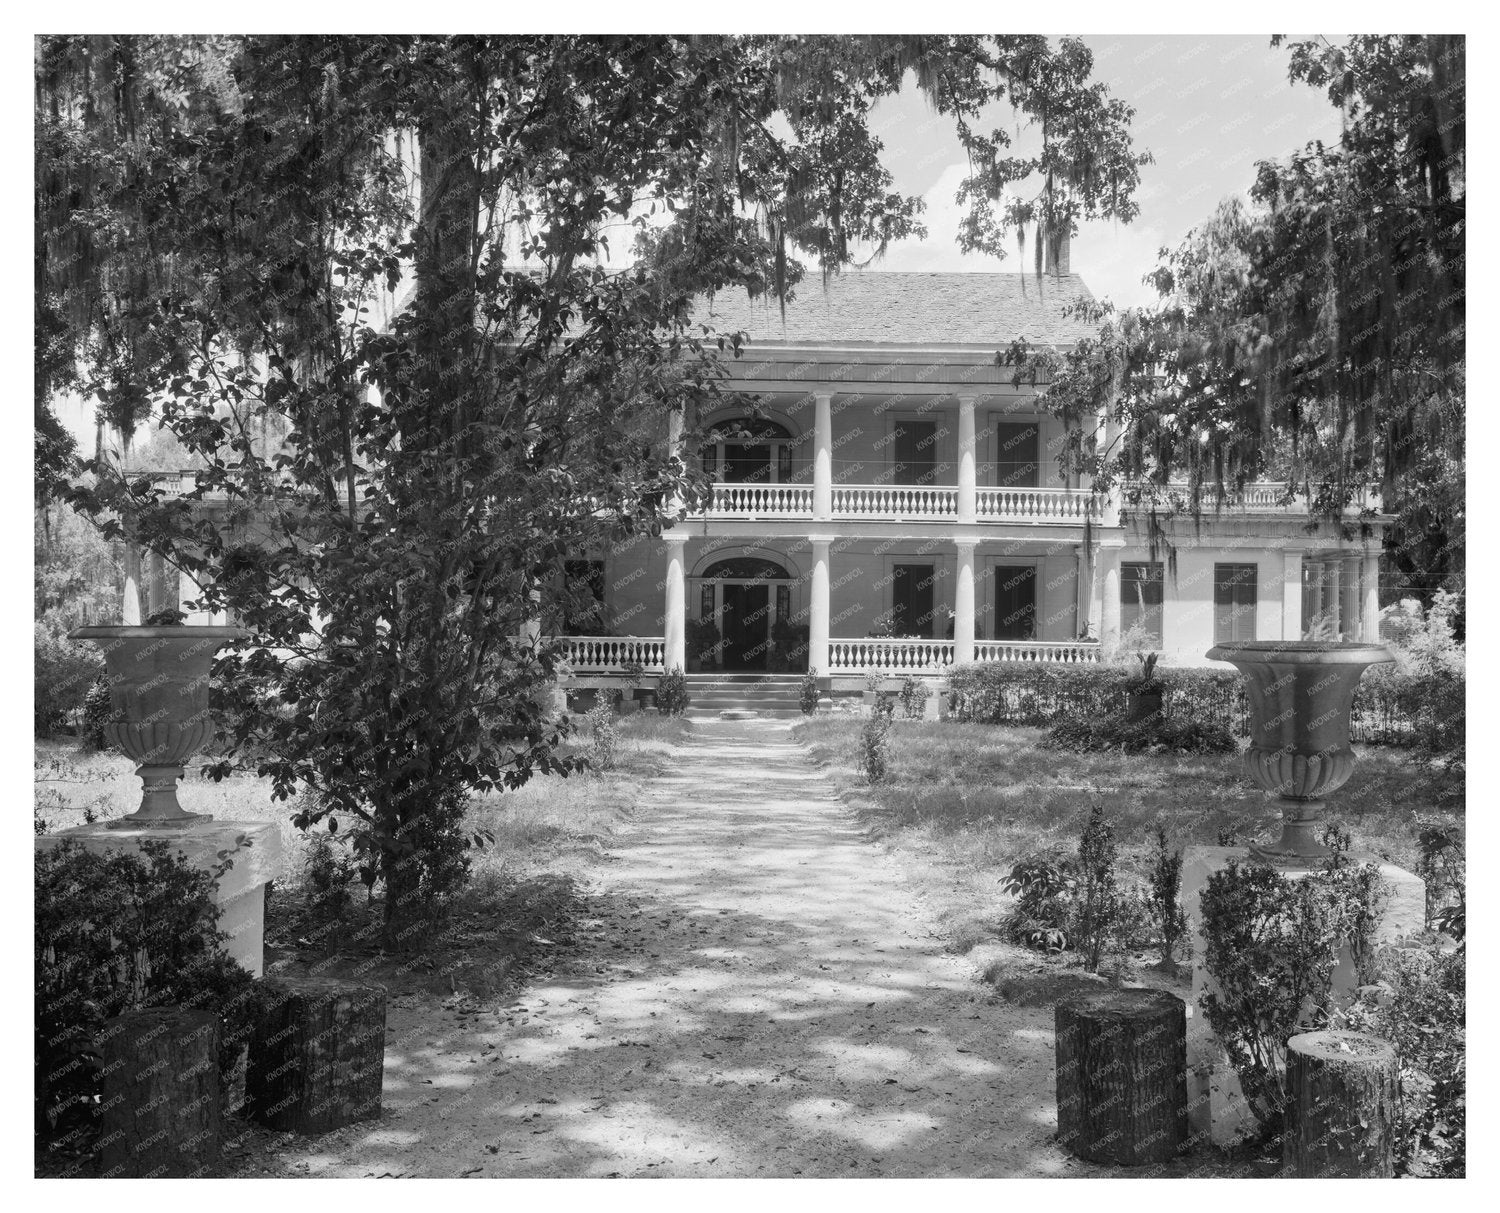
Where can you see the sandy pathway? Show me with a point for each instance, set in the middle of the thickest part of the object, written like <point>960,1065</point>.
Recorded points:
<point>757,997</point>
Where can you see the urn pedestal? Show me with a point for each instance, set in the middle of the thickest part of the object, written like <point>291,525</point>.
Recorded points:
<point>1300,696</point>
<point>158,696</point>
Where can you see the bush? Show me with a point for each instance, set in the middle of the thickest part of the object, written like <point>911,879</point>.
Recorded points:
<point>1163,900</point>
<point>1097,890</point>
<point>914,695</point>
<point>64,672</point>
<point>808,693</point>
<point>328,876</point>
<point>116,932</point>
<point>604,734</point>
<point>1042,883</point>
<point>97,712</point>
<point>1272,944</point>
<point>672,697</point>
<point>874,742</point>
<point>1133,737</point>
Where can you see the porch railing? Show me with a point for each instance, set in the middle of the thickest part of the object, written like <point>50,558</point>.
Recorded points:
<point>762,500</point>
<point>901,501</point>
<point>1067,652</point>
<point>1031,505</point>
<point>893,656</point>
<point>611,654</point>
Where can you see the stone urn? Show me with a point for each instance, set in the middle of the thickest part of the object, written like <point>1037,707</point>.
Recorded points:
<point>1300,693</point>
<point>158,696</point>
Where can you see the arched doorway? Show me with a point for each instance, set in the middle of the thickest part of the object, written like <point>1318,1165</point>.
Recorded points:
<point>745,596</point>
<point>748,450</point>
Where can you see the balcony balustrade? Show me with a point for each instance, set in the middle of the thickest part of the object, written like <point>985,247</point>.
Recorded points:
<point>611,654</point>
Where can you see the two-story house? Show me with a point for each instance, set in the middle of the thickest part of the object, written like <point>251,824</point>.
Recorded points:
<point>898,495</point>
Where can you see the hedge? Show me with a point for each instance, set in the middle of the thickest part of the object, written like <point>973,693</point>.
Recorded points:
<point>1390,708</point>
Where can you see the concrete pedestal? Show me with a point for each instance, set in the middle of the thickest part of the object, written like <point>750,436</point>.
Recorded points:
<point>1217,1108</point>
<point>255,848</point>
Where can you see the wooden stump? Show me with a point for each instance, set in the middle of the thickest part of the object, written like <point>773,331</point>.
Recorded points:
<point>317,1055</point>
<point>160,1114</point>
<point>1122,1075</point>
<point>1341,1093</point>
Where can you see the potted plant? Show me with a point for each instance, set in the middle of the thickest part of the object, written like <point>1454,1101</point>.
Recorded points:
<point>634,672</point>
<point>1300,695</point>
<point>158,697</point>
<point>1144,690</point>
<point>703,643</point>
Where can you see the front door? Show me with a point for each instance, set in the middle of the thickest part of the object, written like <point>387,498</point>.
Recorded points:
<point>744,624</point>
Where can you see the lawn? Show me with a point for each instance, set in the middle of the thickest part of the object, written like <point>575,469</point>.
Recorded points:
<point>963,801</point>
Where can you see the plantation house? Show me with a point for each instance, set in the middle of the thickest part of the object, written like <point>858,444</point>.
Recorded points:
<point>895,504</point>
<point>886,498</point>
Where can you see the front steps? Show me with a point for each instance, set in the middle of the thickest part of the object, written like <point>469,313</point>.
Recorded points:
<point>747,695</point>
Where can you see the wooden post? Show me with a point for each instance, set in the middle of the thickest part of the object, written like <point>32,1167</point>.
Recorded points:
<point>160,1113</point>
<point>1342,1090</point>
<point>1122,1075</point>
<point>317,1056</point>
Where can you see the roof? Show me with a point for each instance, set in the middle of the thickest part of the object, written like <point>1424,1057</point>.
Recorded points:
<point>862,307</point>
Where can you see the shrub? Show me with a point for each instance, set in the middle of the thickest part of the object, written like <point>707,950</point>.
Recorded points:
<point>672,697</point>
<point>1153,733</point>
<point>789,644</point>
<point>115,932</point>
<point>808,693</point>
<point>1162,901</point>
<point>874,742</point>
<point>64,671</point>
<point>1097,890</point>
<point>914,695</point>
<point>1419,1006</point>
<point>604,734</point>
<point>328,876</point>
<point>96,714</point>
<point>1042,883</point>
<point>1271,945</point>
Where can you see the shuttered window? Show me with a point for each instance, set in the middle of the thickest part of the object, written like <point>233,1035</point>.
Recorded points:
<point>1234,602</point>
<point>1141,598</point>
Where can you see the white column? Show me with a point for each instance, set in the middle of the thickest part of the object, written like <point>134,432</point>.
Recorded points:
<point>1107,578</point>
<point>817,629</point>
<point>1333,598</point>
<point>130,604</point>
<point>675,616</point>
<point>1109,433</point>
<point>1369,617</point>
<point>1349,604</point>
<point>823,457</point>
<point>674,451</point>
<point>966,474</point>
<point>963,604</point>
<point>1291,594</point>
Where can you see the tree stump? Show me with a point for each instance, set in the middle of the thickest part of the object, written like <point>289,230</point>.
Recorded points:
<point>160,1113</point>
<point>1122,1075</point>
<point>1341,1102</point>
<point>317,1055</point>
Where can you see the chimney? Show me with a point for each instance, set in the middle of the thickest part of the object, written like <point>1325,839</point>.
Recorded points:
<point>1060,264</point>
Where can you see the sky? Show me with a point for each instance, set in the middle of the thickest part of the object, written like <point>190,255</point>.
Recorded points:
<point>1208,107</point>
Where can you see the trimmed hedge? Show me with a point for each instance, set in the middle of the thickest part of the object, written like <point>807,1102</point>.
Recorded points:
<point>1391,708</point>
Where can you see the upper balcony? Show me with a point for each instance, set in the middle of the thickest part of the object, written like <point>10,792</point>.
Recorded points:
<point>895,503</point>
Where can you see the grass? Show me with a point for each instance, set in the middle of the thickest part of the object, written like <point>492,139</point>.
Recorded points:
<point>962,802</point>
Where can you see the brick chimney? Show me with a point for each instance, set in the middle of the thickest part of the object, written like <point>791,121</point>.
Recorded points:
<point>1060,266</point>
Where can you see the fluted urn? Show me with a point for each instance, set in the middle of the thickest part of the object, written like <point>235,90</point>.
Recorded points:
<point>158,696</point>
<point>1301,693</point>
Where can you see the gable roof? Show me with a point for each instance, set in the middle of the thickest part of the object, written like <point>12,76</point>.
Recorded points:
<point>863,307</point>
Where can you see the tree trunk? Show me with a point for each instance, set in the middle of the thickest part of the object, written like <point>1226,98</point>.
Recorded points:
<point>1342,1091</point>
<point>160,1115</point>
<point>317,1056</point>
<point>1122,1075</point>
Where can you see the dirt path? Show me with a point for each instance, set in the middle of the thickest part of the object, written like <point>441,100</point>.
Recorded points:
<point>757,998</point>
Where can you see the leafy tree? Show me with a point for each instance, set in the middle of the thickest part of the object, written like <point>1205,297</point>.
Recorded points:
<point>222,222</point>
<point>1314,336</point>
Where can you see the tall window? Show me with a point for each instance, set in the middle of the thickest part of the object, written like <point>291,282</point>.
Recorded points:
<point>1141,597</point>
<point>916,452</point>
<point>1015,602</point>
<point>1234,602</point>
<point>1017,455</point>
<point>911,599</point>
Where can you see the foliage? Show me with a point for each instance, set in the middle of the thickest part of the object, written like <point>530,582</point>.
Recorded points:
<point>1313,337</point>
<point>633,672</point>
<point>1153,733</point>
<point>703,641</point>
<point>789,645</point>
<point>1419,1005</point>
<point>1164,896</point>
<point>328,875</point>
<point>914,695</point>
<point>1042,883</point>
<point>603,733</point>
<point>64,671</point>
<point>808,692</point>
<point>1442,866</point>
<point>874,744</point>
<point>115,932</point>
<point>1097,892</point>
<point>77,575</point>
<point>1271,945</point>
<point>1424,641</point>
<point>1145,678</point>
<point>97,710</point>
<point>672,697</point>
